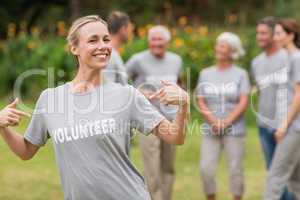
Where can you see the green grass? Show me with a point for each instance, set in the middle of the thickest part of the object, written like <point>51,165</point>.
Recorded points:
<point>38,178</point>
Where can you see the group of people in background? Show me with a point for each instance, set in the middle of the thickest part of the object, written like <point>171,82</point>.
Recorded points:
<point>223,92</point>
<point>100,168</point>
<point>223,95</point>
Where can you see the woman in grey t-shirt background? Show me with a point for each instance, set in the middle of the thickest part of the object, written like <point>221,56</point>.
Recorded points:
<point>285,167</point>
<point>223,98</point>
<point>91,144</point>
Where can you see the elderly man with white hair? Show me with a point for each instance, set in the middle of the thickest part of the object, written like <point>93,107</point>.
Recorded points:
<point>148,69</point>
<point>222,92</point>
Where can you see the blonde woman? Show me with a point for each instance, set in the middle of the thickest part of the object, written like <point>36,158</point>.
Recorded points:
<point>89,121</point>
<point>223,98</point>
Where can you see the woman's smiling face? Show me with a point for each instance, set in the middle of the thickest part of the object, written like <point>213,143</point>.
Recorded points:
<point>281,37</point>
<point>94,47</point>
<point>222,51</point>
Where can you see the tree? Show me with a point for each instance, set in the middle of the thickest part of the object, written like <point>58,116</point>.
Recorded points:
<point>75,9</point>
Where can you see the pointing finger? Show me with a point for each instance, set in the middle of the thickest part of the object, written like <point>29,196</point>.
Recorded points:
<point>21,113</point>
<point>156,94</point>
<point>166,83</point>
<point>14,103</point>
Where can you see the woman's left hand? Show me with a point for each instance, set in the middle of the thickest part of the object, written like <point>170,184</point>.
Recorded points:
<point>171,94</point>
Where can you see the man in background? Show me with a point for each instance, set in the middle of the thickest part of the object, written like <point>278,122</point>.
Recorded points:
<point>120,30</point>
<point>148,69</point>
<point>266,67</point>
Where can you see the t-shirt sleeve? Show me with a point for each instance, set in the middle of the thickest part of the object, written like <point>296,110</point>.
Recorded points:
<point>110,70</point>
<point>132,66</point>
<point>252,72</point>
<point>144,116</point>
<point>296,70</point>
<point>200,85</point>
<point>36,132</point>
<point>123,74</point>
<point>180,70</point>
<point>245,84</point>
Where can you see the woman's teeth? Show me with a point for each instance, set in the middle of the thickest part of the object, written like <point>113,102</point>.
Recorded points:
<point>101,55</point>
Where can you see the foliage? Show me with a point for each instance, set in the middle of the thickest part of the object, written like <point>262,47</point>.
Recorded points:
<point>26,51</point>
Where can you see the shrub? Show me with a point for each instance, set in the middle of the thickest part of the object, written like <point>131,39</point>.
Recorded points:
<point>35,51</point>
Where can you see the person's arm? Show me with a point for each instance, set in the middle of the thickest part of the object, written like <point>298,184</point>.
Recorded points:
<point>131,67</point>
<point>239,109</point>
<point>294,107</point>
<point>122,76</point>
<point>173,132</point>
<point>18,144</point>
<point>293,111</point>
<point>11,116</point>
<point>181,79</point>
<point>206,112</point>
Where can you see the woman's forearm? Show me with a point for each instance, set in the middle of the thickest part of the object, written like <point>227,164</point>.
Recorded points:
<point>171,94</point>
<point>238,110</point>
<point>293,110</point>
<point>206,112</point>
<point>181,121</point>
<point>174,132</point>
<point>17,143</point>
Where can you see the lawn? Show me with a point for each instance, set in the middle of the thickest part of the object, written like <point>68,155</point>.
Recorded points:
<point>38,178</point>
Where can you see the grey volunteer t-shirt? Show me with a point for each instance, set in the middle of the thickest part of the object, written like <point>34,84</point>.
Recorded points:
<point>90,133</point>
<point>147,72</point>
<point>270,74</point>
<point>294,79</point>
<point>222,90</point>
<point>115,70</point>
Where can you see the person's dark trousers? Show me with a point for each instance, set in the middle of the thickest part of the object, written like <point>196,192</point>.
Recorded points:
<point>268,142</point>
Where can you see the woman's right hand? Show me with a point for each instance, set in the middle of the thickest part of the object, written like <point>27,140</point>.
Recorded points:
<point>171,94</point>
<point>10,115</point>
<point>147,93</point>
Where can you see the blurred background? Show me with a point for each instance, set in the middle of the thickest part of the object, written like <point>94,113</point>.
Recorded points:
<point>32,31</point>
<point>32,36</point>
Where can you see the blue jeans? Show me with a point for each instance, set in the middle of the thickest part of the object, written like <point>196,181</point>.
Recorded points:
<point>268,141</point>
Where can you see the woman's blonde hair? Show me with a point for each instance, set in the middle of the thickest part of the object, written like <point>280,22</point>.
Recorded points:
<point>72,37</point>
